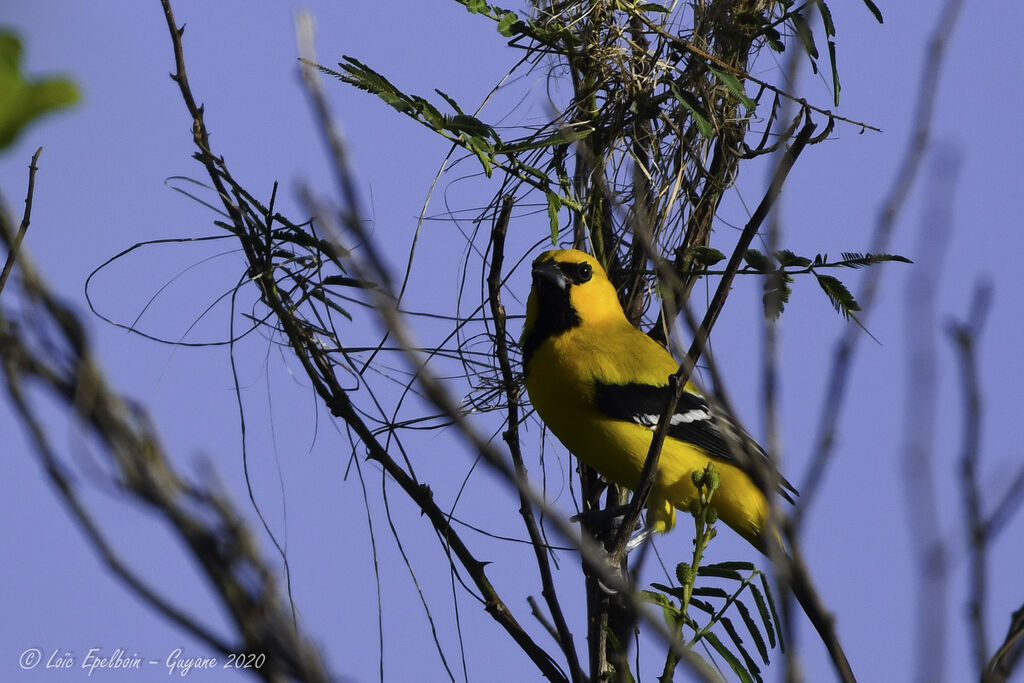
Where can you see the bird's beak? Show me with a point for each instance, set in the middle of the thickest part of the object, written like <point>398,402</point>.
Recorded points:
<point>547,272</point>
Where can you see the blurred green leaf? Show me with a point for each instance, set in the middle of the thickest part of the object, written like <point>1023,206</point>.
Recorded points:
<point>776,294</point>
<point>22,100</point>
<point>785,257</point>
<point>706,256</point>
<point>756,260</point>
<point>506,24</point>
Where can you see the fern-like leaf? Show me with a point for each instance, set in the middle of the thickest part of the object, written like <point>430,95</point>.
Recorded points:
<point>837,293</point>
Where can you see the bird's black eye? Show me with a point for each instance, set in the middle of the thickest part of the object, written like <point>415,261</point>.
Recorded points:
<point>583,273</point>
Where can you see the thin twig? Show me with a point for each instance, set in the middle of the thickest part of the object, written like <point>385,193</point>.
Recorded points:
<point>15,244</point>
<point>964,336</point>
<point>511,437</point>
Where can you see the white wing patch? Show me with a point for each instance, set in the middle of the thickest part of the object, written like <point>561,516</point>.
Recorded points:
<point>694,415</point>
<point>650,420</point>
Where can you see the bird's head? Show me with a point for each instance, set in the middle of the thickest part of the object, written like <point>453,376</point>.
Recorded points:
<point>570,289</point>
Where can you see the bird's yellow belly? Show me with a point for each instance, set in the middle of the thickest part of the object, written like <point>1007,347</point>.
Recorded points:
<point>617,449</point>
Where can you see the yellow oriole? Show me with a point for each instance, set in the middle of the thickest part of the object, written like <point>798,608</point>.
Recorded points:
<point>600,385</point>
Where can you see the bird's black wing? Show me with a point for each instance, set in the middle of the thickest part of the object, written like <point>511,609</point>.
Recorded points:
<point>695,421</point>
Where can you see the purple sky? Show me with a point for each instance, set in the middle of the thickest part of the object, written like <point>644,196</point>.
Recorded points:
<point>101,188</point>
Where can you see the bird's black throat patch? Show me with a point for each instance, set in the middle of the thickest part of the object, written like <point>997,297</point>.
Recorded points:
<point>555,315</point>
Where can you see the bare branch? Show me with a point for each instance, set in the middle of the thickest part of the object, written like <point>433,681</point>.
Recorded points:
<point>15,244</point>
<point>964,336</point>
<point>888,217</point>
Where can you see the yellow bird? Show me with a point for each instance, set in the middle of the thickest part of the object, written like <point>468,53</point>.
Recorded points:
<point>600,385</point>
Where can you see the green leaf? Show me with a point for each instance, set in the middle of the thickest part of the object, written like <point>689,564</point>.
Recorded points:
<point>750,665</point>
<point>838,294</point>
<point>774,39</point>
<point>711,592</point>
<point>562,137</point>
<point>676,592</point>
<point>735,87</point>
<point>762,610</point>
<point>873,8</point>
<point>753,630</point>
<point>363,77</point>
<point>668,609</point>
<point>803,32</point>
<point>729,657</point>
<point>725,570</point>
<point>771,606</point>
<point>706,256</point>
<point>464,123</point>
<point>693,105</point>
<point>653,7</point>
<point>506,24</point>
<point>786,258</point>
<point>835,71</point>
<point>554,204</point>
<point>853,259</point>
<point>756,260</point>
<point>23,100</point>
<point>451,101</point>
<point>826,18</point>
<point>732,565</point>
<point>705,607</point>
<point>483,151</point>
